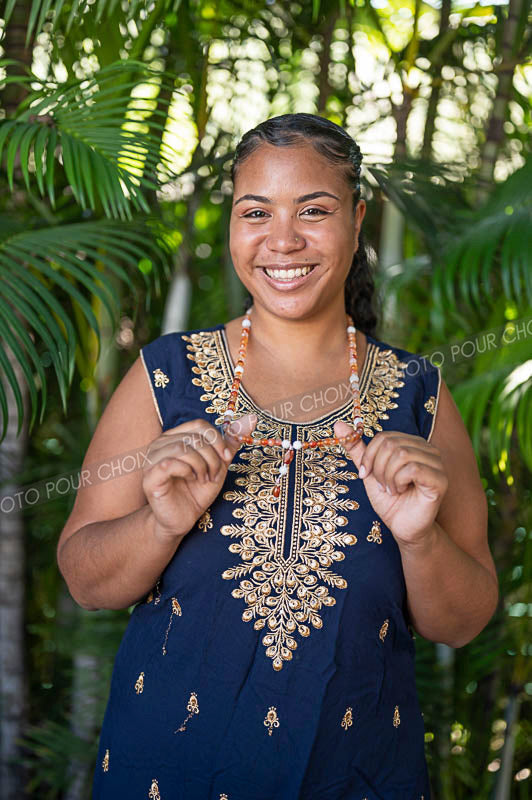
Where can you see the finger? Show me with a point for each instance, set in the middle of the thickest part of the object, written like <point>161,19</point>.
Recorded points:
<point>195,433</point>
<point>354,451</point>
<point>157,480</point>
<point>391,459</point>
<point>243,426</point>
<point>382,445</point>
<point>431,481</point>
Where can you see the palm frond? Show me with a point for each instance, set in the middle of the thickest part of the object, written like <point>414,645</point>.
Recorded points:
<point>105,131</point>
<point>78,260</point>
<point>470,247</point>
<point>499,393</point>
<point>41,9</point>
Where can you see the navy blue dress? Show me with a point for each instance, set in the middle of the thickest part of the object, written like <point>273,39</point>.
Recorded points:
<point>274,659</point>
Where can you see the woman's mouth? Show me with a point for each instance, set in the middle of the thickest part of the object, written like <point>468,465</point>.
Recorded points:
<point>288,277</point>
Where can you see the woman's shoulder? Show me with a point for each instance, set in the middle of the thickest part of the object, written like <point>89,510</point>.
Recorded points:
<point>412,376</point>
<point>168,368</point>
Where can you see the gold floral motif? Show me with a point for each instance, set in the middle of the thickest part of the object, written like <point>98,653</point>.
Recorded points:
<point>386,376</point>
<point>205,521</point>
<point>347,721</point>
<point>286,591</point>
<point>396,717</point>
<point>384,629</point>
<point>375,534</point>
<point>139,685</point>
<point>285,571</point>
<point>160,379</point>
<point>149,598</point>
<point>176,611</point>
<point>154,791</point>
<point>192,708</point>
<point>271,720</point>
<point>430,405</point>
<point>105,762</point>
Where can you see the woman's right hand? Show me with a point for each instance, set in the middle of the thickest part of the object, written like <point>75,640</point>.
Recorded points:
<point>185,469</point>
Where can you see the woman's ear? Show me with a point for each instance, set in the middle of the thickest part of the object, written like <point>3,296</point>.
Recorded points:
<point>360,213</point>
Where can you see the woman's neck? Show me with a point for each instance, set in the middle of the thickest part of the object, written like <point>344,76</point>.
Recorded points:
<point>309,342</point>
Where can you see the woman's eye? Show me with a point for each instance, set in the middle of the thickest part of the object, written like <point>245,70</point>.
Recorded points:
<point>307,210</point>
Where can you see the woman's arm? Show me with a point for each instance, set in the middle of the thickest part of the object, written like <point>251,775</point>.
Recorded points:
<point>430,495</point>
<point>141,492</point>
<point>109,552</point>
<point>450,575</point>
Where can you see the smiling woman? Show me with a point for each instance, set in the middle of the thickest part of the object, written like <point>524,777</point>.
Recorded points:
<point>280,564</point>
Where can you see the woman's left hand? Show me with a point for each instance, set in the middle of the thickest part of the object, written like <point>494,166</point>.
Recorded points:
<point>413,470</point>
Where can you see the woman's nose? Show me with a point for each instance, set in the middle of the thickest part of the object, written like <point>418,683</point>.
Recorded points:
<point>284,237</point>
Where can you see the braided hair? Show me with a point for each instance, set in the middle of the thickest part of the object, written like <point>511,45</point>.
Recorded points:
<point>333,142</point>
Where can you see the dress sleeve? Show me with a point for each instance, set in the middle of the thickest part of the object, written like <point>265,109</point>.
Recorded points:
<point>158,363</point>
<point>429,395</point>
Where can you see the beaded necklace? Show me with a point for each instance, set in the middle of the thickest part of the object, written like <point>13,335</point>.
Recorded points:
<point>287,446</point>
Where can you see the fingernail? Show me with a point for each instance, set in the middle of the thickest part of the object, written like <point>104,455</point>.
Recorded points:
<point>362,471</point>
<point>388,490</point>
<point>227,453</point>
<point>381,487</point>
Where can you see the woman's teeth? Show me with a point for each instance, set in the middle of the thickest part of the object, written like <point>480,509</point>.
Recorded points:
<point>288,274</point>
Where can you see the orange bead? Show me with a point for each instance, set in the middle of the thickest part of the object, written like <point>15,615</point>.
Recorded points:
<point>276,490</point>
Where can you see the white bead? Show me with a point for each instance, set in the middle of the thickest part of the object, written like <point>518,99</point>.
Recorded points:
<point>353,378</point>
<point>246,323</point>
<point>296,445</point>
<point>351,329</point>
<point>286,443</point>
<point>283,469</point>
<point>229,413</point>
<point>239,370</point>
<point>357,420</point>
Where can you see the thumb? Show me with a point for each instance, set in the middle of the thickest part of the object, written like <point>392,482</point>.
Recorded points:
<point>243,426</point>
<point>354,451</point>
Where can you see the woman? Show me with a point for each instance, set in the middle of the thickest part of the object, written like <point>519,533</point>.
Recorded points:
<point>270,655</point>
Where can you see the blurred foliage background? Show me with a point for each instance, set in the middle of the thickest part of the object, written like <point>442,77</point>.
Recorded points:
<point>118,121</point>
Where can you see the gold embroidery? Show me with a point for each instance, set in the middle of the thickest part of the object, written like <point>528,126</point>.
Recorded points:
<point>348,719</point>
<point>284,570</point>
<point>384,629</point>
<point>105,762</point>
<point>205,521</point>
<point>154,791</point>
<point>379,398</point>
<point>150,596</point>
<point>271,720</point>
<point>430,405</point>
<point>139,685</point>
<point>160,379</point>
<point>375,534</point>
<point>176,610</point>
<point>192,708</point>
<point>223,797</point>
<point>396,717</point>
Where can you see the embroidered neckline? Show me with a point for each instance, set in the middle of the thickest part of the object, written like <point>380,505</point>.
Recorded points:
<point>369,362</point>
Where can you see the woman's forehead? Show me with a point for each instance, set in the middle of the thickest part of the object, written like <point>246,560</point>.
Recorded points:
<point>299,168</point>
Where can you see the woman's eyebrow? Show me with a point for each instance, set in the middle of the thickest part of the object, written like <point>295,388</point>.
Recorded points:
<point>304,197</point>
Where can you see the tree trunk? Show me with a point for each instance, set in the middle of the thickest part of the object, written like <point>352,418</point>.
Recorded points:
<point>432,110</point>
<point>13,698</point>
<point>495,129</point>
<point>503,787</point>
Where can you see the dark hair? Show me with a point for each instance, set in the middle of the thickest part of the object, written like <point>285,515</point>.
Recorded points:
<point>331,141</point>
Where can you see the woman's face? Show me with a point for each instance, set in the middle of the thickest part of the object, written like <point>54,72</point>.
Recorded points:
<point>293,213</point>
